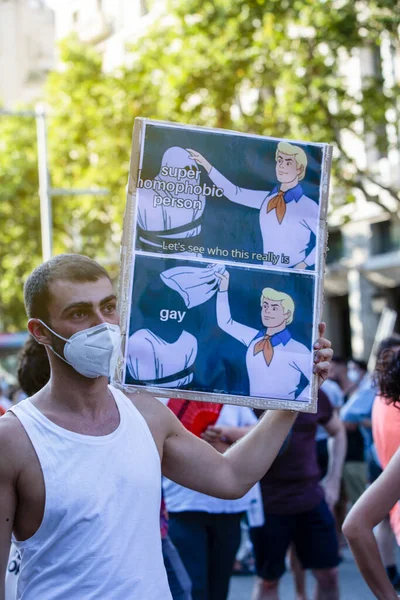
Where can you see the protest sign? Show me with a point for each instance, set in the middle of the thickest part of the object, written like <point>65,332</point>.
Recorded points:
<point>222,266</point>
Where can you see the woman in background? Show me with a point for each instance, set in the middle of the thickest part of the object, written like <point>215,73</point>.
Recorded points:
<point>383,495</point>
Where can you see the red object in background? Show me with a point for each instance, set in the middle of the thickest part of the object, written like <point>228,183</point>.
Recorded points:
<point>195,416</point>
<point>2,411</point>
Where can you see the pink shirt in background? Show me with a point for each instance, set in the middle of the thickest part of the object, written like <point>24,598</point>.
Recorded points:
<point>386,433</point>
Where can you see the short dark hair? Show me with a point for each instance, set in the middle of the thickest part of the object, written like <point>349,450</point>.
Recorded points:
<point>67,267</point>
<point>33,367</point>
<point>387,343</point>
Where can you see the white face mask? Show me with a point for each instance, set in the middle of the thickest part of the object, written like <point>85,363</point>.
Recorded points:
<point>92,352</point>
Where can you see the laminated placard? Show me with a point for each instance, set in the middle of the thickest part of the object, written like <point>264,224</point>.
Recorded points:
<point>222,266</point>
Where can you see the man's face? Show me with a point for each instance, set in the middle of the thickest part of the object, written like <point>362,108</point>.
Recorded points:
<point>286,168</point>
<point>77,306</point>
<point>273,314</point>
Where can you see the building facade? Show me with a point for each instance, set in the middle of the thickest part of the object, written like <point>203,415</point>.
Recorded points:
<point>109,25</point>
<point>363,262</point>
<point>26,28</point>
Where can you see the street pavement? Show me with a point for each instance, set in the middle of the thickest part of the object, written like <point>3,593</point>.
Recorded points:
<point>352,586</point>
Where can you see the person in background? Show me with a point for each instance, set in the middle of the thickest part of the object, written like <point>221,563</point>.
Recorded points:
<point>383,495</point>
<point>335,397</point>
<point>178,578</point>
<point>355,469</point>
<point>206,530</point>
<point>33,370</point>
<point>297,508</point>
<point>358,410</point>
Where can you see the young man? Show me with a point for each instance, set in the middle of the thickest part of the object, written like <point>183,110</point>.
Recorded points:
<point>288,218</point>
<point>278,366</point>
<point>33,374</point>
<point>80,462</point>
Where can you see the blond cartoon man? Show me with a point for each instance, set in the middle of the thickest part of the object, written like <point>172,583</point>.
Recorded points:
<point>288,218</point>
<point>277,365</point>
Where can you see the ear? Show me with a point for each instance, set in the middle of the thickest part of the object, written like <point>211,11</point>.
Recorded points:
<point>287,315</point>
<point>300,169</point>
<point>39,332</point>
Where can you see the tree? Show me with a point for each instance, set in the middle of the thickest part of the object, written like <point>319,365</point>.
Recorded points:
<point>89,130</point>
<point>271,67</point>
<point>19,214</point>
<point>280,68</point>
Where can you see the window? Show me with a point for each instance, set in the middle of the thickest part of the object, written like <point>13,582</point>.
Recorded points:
<point>385,237</point>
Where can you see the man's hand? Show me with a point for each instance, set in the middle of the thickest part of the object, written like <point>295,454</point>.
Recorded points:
<point>223,281</point>
<point>199,158</point>
<point>301,265</point>
<point>323,355</point>
<point>213,434</point>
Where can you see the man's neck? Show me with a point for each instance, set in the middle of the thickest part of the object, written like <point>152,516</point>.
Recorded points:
<point>273,330</point>
<point>285,187</point>
<point>68,391</point>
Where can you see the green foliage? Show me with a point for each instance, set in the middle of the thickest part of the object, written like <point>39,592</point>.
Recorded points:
<point>271,67</point>
<point>19,214</point>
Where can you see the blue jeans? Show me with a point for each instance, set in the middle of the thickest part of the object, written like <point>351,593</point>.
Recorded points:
<point>207,544</point>
<point>178,579</point>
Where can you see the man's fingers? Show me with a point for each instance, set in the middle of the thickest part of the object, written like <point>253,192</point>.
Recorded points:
<point>210,436</point>
<point>214,429</point>
<point>322,367</point>
<point>321,329</point>
<point>322,343</point>
<point>325,354</point>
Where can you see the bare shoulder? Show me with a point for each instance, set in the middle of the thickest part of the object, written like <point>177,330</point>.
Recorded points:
<point>161,421</point>
<point>14,445</point>
<point>147,404</point>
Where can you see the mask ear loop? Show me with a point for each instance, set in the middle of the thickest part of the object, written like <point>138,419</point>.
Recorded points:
<point>48,345</point>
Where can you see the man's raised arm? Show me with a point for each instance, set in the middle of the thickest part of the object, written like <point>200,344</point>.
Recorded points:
<point>189,461</point>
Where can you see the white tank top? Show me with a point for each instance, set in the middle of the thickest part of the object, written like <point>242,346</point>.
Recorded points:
<point>100,534</point>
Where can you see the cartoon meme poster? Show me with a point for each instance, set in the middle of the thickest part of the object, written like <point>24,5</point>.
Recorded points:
<point>222,266</point>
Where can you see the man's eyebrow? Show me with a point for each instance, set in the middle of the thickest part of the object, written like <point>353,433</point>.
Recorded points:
<point>108,299</point>
<point>77,305</point>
